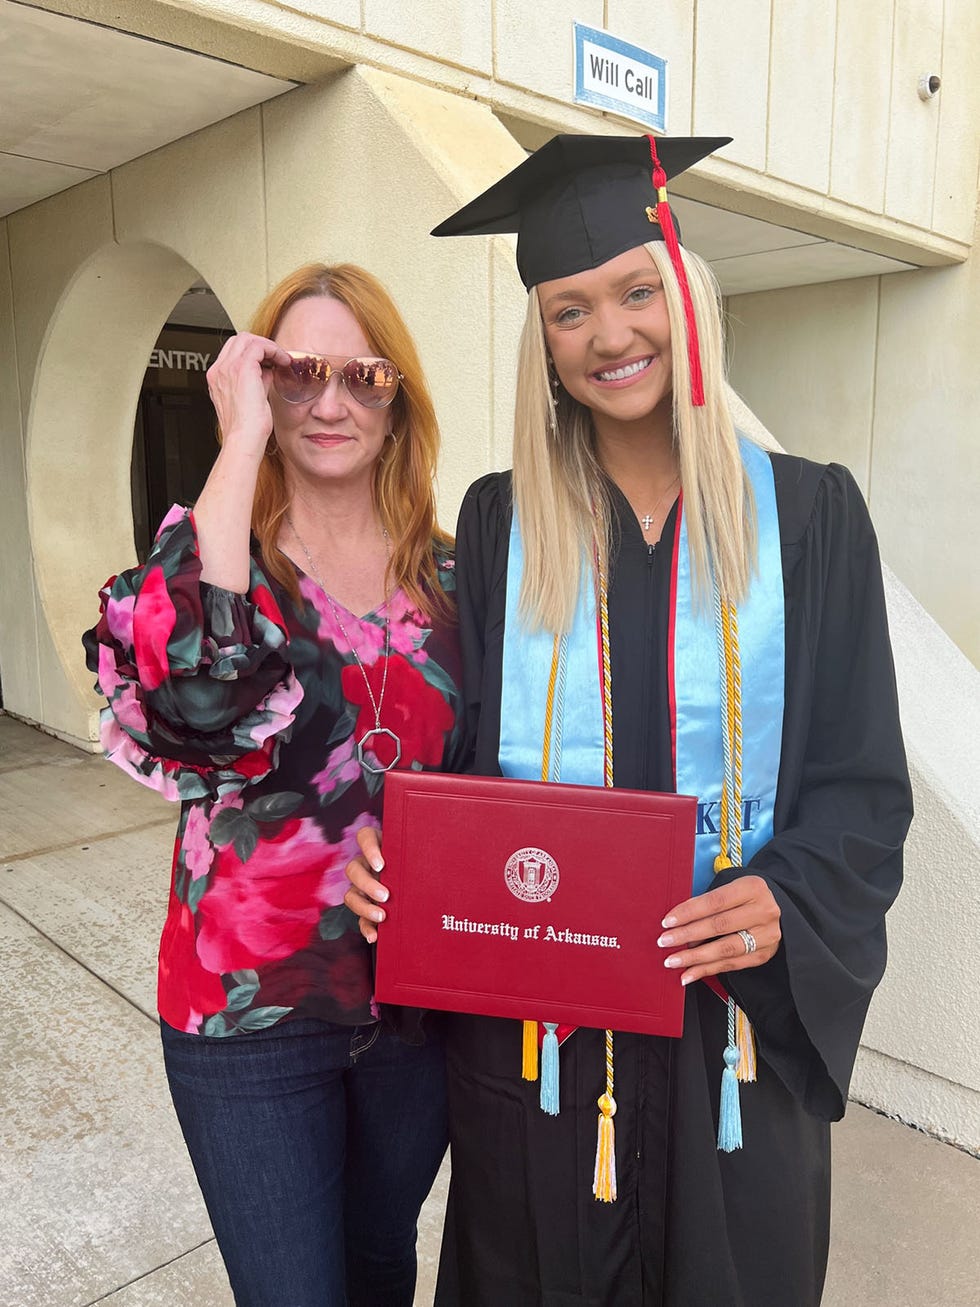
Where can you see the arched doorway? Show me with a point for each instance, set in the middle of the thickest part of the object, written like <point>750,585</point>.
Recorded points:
<point>85,400</point>
<point>174,440</point>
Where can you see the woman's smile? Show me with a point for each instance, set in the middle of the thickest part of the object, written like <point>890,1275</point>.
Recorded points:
<point>622,374</point>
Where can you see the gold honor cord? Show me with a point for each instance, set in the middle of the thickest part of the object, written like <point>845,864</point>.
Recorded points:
<point>740,1056</point>
<point>604,1180</point>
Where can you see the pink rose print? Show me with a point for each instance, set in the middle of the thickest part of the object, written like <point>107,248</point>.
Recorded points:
<point>341,768</point>
<point>119,615</point>
<point>187,991</point>
<point>268,907</point>
<point>153,624</point>
<point>197,847</point>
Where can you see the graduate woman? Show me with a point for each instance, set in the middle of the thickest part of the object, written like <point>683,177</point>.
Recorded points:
<point>719,613</point>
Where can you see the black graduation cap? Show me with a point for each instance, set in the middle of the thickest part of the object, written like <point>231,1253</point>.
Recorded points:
<point>580,200</point>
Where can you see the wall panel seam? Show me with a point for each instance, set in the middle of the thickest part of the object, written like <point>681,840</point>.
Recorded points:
<point>22,433</point>
<point>939,117</point>
<point>833,104</point>
<point>769,91</point>
<point>112,205</point>
<point>874,389</point>
<point>265,196</point>
<point>22,440</point>
<point>691,116</point>
<point>493,41</point>
<point>891,100</point>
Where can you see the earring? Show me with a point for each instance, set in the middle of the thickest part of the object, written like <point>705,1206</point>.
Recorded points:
<point>553,385</point>
<point>383,456</point>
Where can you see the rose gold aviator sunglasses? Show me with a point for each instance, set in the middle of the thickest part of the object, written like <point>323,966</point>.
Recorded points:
<point>372,382</point>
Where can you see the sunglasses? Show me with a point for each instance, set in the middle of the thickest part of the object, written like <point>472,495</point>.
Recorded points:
<point>372,382</point>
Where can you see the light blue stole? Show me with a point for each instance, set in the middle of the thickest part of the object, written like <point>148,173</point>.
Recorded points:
<point>694,685</point>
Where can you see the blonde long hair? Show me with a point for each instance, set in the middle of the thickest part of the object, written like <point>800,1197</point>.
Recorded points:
<point>559,486</point>
<point>404,476</point>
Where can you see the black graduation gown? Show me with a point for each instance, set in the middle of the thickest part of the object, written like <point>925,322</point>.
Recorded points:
<point>694,1227</point>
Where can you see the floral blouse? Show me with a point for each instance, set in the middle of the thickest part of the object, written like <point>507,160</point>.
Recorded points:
<point>246,709</point>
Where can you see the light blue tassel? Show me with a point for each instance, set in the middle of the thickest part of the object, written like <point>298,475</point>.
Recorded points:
<point>549,1069</point>
<point>729,1113</point>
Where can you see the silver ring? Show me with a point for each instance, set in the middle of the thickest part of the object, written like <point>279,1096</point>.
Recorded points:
<point>748,939</point>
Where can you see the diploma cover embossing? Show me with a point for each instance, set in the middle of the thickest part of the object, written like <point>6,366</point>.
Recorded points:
<point>521,899</point>
<point>532,875</point>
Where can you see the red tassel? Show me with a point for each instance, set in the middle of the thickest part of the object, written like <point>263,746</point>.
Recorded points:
<point>666,221</point>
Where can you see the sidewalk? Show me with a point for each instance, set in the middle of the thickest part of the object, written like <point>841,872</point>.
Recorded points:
<point>98,1203</point>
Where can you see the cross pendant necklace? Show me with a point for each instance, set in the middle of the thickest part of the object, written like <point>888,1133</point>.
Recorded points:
<point>648,519</point>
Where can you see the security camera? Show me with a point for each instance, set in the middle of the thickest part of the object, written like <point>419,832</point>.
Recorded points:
<point>928,86</point>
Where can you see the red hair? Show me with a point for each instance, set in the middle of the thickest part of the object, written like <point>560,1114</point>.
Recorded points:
<point>404,477</point>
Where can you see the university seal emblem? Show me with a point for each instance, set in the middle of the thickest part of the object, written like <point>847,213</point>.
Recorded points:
<point>531,875</point>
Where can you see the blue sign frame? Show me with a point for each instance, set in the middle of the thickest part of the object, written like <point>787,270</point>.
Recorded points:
<point>623,108</point>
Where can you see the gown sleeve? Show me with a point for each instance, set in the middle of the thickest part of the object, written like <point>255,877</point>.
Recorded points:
<point>843,802</point>
<point>198,680</point>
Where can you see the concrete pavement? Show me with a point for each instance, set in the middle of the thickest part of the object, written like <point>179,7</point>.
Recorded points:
<point>98,1202</point>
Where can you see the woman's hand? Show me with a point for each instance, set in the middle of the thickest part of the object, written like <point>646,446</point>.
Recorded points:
<point>705,929</point>
<point>239,388</point>
<point>366,891</point>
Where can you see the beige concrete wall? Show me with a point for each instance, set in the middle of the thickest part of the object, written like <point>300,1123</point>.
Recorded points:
<point>822,100</point>
<point>46,245</point>
<point>19,660</point>
<point>88,277</point>
<point>918,1059</point>
<point>919,1056</point>
<point>881,374</point>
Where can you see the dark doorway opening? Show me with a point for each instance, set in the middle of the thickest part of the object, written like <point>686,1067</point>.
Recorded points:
<point>175,437</point>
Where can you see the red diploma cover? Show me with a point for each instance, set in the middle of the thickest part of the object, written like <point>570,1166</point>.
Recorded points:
<point>535,901</point>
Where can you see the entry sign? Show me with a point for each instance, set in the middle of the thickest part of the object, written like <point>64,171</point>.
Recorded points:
<point>614,75</point>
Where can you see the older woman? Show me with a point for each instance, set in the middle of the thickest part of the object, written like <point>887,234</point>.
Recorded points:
<point>287,643</point>
<point>720,611</point>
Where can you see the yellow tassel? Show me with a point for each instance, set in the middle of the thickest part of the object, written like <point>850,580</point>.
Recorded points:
<point>745,1039</point>
<point>604,1184</point>
<point>529,1063</point>
<point>722,863</point>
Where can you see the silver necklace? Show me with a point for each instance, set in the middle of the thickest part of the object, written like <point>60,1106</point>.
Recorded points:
<point>362,744</point>
<point>648,521</point>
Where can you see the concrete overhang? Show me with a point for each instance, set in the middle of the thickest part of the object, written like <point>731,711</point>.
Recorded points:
<point>78,98</point>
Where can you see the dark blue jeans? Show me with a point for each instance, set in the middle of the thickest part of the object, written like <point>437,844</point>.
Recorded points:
<point>315,1145</point>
